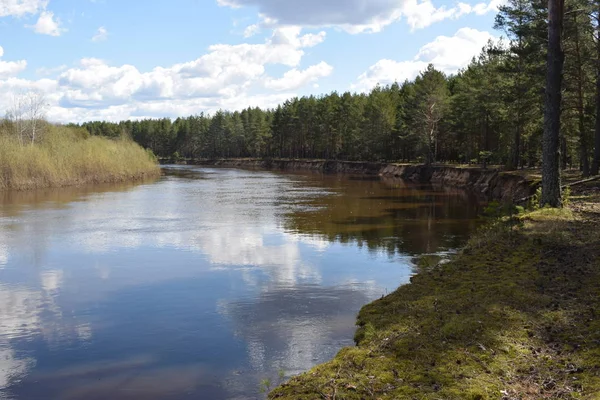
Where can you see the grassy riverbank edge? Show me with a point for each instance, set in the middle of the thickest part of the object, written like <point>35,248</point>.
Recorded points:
<point>66,157</point>
<point>513,316</point>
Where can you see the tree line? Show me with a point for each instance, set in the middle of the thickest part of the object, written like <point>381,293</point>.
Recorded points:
<point>491,111</point>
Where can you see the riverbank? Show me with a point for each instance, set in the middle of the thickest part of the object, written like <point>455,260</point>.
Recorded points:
<point>489,183</point>
<point>67,157</point>
<point>513,316</point>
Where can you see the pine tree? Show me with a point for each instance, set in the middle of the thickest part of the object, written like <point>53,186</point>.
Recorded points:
<point>551,191</point>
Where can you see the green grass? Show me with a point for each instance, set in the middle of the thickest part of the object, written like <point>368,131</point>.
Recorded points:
<point>514,316</point>
<point>67,157</point>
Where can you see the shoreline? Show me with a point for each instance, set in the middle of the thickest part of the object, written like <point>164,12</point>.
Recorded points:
<point>493,184</point>
<point>512,316</point>
<point>116,179</point>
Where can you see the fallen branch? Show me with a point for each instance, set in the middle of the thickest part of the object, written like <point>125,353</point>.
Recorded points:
<point>595,178</point>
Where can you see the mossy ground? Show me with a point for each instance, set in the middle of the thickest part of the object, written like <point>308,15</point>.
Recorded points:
<point>516,315</point>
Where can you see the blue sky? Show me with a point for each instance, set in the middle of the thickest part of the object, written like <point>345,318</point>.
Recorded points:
<point>119,59</point>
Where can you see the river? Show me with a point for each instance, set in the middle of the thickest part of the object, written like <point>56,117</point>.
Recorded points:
<point>205,283</point>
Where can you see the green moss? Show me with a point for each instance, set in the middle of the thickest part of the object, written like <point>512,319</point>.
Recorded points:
<point>513,316</point>
<point>551,214</point>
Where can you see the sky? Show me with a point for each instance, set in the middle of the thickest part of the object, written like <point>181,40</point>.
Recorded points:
<point>131,59</point>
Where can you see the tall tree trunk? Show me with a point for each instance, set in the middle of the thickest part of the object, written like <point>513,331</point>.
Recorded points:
<point>551,194</point>
<point>583,146</point>
<point>516,151</point>
<point>563,152</point>
<point>516,156</point>
<point>596,162</point>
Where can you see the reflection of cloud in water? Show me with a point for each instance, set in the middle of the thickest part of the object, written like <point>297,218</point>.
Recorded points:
<point>292,328</point>
<point>26,313</point>
<point>247,246</point>
<point>3,247</point>
<point>225,219</point>
<point>52,280</point>
<point>19,311</point>
<point>138,377</point>
<point>103,272</point>
<point>101,242</point>
<point>19,316</point>
<point>11,367</point>
<point>315,242</point>
<point>3,253</point>
<point>84,332</point>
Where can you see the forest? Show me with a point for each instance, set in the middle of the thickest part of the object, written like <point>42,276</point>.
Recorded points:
<point>492,111</point>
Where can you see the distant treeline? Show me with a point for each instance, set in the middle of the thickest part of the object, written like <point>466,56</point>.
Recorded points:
<point>490,111</point>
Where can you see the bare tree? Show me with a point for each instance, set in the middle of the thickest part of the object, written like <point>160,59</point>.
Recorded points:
<point>27,113</point>
<point>432,115</point>
<point>35,104</point>
<point>16,115</point>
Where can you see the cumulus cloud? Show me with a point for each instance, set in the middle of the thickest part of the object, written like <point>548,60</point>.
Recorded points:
<point>226,77</point>
<point>10,68</point>
<point>101,35</point>
<point>356,16</point>
<point>49,71</point>
<point>294,78</point>
<point>447,53</point>
<point>48,24</point>
<point>18,8</point>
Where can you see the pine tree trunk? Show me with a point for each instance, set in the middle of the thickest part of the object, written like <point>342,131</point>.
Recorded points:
<point>596,162</point>
<point>551,194</point>
<point>563,152</point>
<point>583,143</point>
<point>516,153</point>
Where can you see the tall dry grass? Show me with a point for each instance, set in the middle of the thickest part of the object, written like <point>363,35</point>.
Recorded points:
<point>66,157</point>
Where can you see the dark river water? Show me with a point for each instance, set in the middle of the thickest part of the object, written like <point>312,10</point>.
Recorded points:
<point>203,284</point>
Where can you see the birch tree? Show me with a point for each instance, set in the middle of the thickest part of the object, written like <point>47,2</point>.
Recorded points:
<point>26,113</point>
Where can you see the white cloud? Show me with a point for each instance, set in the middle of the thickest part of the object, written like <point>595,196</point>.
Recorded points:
<point>226,77</point>
<point>47,24</point>
<point>251,30</point>
<point>49,71</point>
<point>294,78</point>
<point>10,68</point>
<point>101,35</point>
<point>356,16</point>
<point>312,40</point>
<point>19,8</point>
<point>388,71</point>
<point>448,54</point>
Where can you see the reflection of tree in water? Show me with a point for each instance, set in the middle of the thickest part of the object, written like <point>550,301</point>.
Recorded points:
<point>390,215</point>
